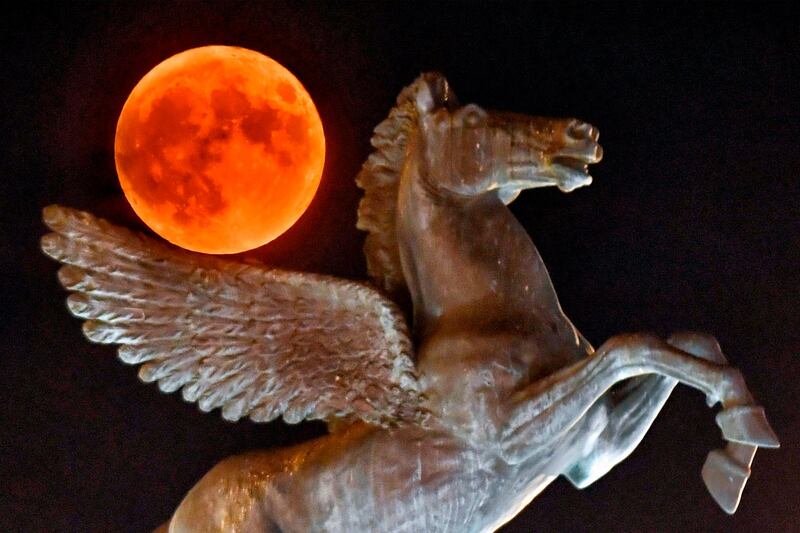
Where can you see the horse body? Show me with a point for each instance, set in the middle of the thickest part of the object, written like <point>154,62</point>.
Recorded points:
<point>516,395</point>
<point>399,480</point>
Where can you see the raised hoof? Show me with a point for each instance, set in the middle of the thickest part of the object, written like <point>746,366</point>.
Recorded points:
<point>700,345</point>
<point>725,478</point>
<point>747,424</point>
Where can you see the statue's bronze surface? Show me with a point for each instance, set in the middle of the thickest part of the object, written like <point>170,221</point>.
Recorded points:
<point>456,431</point>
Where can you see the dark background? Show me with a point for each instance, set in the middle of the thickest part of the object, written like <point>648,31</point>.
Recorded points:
<point>693,221</point>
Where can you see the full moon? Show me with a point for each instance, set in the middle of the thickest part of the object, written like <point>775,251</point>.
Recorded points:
<point>219,149</point>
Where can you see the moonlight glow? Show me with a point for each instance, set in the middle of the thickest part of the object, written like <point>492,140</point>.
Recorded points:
<point>219,149</point>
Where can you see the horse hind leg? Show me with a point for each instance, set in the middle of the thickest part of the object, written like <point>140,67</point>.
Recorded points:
<point>235,496</point>
<point>548,409</point>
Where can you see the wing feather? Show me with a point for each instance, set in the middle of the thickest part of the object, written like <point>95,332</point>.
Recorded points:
<point>250,340</point>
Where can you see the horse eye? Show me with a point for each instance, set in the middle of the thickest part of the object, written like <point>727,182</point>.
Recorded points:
<point>472,116</point>
<point>473,119</point>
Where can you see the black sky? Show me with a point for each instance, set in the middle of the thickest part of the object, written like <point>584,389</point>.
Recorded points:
<point>693,222</point>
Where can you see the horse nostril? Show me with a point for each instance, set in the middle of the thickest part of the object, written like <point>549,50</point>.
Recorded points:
<point>577,131</point>
<point>580,131</point>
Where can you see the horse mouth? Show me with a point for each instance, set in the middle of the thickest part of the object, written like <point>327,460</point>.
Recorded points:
<point>581,158</point>
<point>568,170</point>
<point>572,171</point>
<point>581,165</point>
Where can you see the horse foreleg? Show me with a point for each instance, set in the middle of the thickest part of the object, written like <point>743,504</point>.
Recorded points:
<point>630,411</point>
<point>545,411</point>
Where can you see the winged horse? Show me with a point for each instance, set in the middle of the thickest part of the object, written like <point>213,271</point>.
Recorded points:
<point>454,425</point>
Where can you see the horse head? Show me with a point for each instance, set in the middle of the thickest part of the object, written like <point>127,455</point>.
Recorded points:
<point>469,151</point>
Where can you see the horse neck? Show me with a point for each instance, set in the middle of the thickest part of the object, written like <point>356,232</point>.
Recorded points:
<point>471,268</point>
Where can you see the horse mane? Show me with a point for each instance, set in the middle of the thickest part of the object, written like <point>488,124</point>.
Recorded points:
<point>380,179</point>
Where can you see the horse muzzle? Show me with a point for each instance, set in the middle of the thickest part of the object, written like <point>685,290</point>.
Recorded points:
<point>552,152</point>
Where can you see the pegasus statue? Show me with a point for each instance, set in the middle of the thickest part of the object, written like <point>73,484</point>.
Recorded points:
<point>452,425</point>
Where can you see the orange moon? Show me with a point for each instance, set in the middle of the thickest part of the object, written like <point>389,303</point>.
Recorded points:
<point>219,149</point>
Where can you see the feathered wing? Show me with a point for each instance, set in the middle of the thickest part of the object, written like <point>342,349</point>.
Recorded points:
<point>256,342</point>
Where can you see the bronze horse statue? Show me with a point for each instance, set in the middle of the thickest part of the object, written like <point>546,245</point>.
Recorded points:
<point>455,426</point>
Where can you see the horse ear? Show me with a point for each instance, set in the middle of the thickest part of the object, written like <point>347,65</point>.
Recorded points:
<point>434,92</point>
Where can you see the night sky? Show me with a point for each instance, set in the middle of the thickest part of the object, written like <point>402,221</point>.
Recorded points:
<point>692,222</point>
